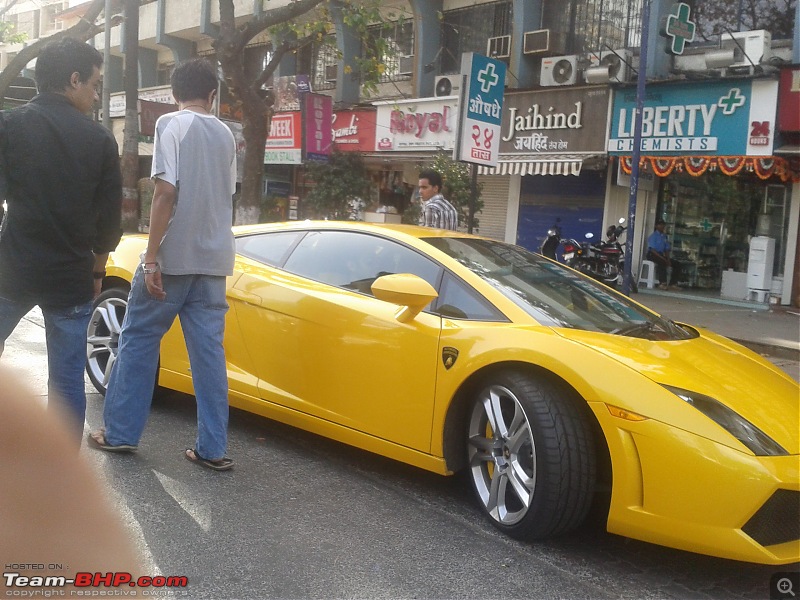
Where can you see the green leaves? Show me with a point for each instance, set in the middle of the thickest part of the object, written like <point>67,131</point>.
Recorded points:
<point>342,184</point>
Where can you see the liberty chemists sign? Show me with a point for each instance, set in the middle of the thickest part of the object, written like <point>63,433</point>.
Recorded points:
<point>720,118</point>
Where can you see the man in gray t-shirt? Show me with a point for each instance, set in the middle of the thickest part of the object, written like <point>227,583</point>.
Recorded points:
<point>189,253</point>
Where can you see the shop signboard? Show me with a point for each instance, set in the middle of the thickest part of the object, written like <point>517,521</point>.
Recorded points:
<point>354,130</point>
<point>317,134</point>
<point>719,118</point>
<point>560,121</point>
<point>283,146</point>
<point>162,94</point>
<point>789,102</point>
<point>482,111</point>
<point>413,125</point>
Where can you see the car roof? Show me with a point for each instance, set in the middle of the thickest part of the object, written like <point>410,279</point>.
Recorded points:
<point>414,231</point>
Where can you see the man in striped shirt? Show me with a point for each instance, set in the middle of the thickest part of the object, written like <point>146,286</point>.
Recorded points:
<point>436,211</point>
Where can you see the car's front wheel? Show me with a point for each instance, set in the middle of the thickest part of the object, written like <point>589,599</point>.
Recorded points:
<point>102,337</point>
<point>531,455</point>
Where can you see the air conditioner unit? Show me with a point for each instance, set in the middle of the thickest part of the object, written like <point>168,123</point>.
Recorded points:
<point>543,42</point>
<point>447,85</point>
<point>559,70</point>
<point>405,65</point>
<point>619,63</point>
<point>757,46</point>
<point>499,47</point>
<point>331,72</point>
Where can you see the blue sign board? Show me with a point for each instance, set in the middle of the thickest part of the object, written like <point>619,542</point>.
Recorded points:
<point>721,118</point>
<point>481,109</point>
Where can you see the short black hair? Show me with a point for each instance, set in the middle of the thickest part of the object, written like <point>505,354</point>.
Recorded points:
<point>660,222</point>
<point>432,176</point>
<point>59,60</point>
<point>193,79</point>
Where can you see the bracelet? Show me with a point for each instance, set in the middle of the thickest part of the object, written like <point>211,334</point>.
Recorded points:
<point>150,270</point>
<point>98,274</point>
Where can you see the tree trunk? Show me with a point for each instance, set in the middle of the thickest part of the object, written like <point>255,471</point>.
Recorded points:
<point>255,127</point>
<point>130,144</point>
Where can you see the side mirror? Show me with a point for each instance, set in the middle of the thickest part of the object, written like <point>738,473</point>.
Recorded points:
<point>410,292</point>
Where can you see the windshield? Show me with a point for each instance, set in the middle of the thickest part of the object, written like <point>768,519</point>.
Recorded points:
<point>554,295</point>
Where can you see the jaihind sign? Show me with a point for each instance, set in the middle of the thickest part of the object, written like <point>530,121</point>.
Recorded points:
<point>723,118</point>
<point>562,121</point>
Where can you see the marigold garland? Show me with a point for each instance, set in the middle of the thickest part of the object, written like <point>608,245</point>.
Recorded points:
<point>764,168</point>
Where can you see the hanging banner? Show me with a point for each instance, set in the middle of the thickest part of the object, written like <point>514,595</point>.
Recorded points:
<point>722,118</point>
<point>481,107</point>
<point>317,133</point>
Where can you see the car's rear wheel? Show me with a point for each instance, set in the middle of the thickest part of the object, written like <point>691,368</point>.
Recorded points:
<point>102,337</point>
<point>531,455</point>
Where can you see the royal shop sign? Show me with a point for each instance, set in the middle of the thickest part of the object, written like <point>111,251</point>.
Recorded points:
<point>421,124</point>
<point>722,118</point>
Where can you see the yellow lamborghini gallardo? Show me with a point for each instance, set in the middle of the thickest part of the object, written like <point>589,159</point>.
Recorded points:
<point>454,352</point>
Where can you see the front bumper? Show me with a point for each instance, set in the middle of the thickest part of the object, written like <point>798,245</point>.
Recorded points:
<point>677,489</point>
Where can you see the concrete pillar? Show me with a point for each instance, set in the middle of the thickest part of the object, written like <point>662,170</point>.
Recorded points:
<point>181,49</point>
<point>348,41</point>
<point>522,67</point>
<point>427,44</point>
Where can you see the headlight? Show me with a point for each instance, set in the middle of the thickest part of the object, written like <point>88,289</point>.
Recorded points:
<point>740,428</point>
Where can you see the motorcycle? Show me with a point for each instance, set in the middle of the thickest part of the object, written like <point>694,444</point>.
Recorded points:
<point>600,261</point>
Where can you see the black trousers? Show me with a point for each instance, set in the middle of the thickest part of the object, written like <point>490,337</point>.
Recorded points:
<point>662,262</point>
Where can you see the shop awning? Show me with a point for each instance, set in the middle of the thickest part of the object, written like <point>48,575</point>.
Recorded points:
<point>789,149</point>
<point>538,164</point>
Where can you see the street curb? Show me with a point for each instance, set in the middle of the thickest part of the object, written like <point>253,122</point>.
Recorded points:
<point>771,350</point>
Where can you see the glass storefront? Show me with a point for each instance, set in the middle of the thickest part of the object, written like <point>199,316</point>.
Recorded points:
<point>711,220</point>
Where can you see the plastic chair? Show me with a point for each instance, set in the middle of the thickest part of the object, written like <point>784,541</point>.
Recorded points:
<point>647,274</point>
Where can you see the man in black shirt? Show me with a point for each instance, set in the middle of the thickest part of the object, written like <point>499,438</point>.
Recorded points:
<point>60,177</point>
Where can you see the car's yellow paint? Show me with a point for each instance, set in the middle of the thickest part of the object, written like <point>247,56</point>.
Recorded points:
<point>341,364</point>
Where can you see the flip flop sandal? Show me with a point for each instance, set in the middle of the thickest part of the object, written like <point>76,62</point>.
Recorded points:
<point>220,464</point>
<point>97,440</point>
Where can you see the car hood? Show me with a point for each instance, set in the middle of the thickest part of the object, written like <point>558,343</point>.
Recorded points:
<point>715,366</point>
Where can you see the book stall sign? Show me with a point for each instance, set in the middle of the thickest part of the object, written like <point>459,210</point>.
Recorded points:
<point>283,143</point>
<point>481,110</point>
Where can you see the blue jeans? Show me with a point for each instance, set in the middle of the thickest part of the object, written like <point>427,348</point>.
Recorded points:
<point>199,302</point>
<point>65,333</point>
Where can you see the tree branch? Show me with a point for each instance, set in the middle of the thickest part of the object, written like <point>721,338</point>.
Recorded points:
<point>269,18</point>
<point>82,30</point>
<point>283,49</point>
<point>7,7</point>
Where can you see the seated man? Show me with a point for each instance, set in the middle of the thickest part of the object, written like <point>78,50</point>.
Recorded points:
<point>658,251</point>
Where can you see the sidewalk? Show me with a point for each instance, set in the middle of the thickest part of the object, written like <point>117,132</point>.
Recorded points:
<point>773,331</point>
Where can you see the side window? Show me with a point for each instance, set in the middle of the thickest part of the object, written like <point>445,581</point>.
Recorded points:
<point>458,301</point>
<point>354,260</point>
<point>269,248</point>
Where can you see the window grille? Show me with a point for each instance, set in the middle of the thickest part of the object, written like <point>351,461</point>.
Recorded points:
<point>594,25</point>
<point>467,29</point>
<point>398,57</point>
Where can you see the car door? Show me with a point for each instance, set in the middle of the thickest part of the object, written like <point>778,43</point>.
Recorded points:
<point>322,344</point>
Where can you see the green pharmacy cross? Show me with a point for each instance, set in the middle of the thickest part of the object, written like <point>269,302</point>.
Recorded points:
<point>488,78</point>
<point>706,225</point>
<point>680,28</point>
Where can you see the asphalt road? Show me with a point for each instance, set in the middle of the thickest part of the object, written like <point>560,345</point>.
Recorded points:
<point>303,517</point>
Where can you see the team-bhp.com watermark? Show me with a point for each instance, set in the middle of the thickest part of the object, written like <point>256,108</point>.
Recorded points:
<point>114,583</point>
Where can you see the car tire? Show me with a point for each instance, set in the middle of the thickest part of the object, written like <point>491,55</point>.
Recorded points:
<point>531,455</point>
<point>102,336</point>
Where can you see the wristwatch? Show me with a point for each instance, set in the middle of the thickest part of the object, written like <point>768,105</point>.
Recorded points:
<point>149,270</point>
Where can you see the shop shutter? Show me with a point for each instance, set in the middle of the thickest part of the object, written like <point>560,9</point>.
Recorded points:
<point>492,220</point>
